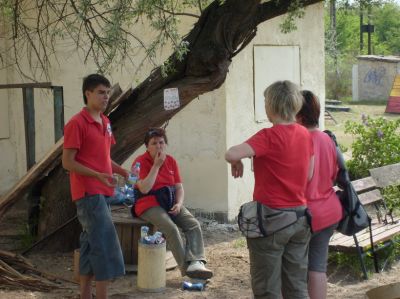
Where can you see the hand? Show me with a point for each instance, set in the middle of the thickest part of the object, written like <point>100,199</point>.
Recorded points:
<point>106,179</point>
<point>176,209</point>
<point>237,169</point>
<point>124,173</point>
<point>159,159</point>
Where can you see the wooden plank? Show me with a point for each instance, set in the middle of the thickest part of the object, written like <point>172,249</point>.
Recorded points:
<point>382,236</point>
<point>114,104</point>
<point>39,170</point>
<point>26,85</point>
<point>116,91</point>
<point>132,221</point>
<point>340,239</point>
<point>362,236</point>
<point>379,234</point>
<point>370,197</point>
<point>135,243</point>
<point>35,174</point>
<point>29,120</point>
<point>58,103</point>
<point>364,185</point>
<point>126,243</point>
<point>386,175</point>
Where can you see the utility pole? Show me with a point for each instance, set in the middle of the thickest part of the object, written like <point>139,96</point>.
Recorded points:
<point>361,25</point>
<point>332,14</point>
<point>369,28</point>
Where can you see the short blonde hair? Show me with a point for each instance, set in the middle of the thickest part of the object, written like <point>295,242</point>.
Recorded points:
<point>283,99</point>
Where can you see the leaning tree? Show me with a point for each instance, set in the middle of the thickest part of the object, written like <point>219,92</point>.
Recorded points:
<point>199,64</point>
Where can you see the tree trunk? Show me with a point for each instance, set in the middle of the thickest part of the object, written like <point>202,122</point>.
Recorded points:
<point>222,31</point>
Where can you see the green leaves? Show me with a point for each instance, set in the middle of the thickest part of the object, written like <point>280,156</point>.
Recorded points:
<point>104,32</point>
<point>376,143</point>
<point>295,11</point>
<point>343,45</point>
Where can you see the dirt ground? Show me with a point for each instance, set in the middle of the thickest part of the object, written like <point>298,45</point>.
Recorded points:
<point>228,257</point>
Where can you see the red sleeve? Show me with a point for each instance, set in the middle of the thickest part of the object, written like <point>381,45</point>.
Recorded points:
<point>73,135</point>
<point>259,143</point>
<point>177,175</point>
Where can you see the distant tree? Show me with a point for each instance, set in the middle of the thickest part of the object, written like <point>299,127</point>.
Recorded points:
<point>344,47</point>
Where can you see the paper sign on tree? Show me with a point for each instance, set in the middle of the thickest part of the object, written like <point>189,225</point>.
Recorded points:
<point>171,99</point>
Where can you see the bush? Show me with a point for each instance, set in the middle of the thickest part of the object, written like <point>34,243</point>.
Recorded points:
<point>376,143</point>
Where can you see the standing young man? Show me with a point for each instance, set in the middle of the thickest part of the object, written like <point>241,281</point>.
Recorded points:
<point>87,141</point>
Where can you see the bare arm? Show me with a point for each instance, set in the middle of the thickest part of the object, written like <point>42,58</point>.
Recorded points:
<point>147,183</point>
<point>234,156</point>
<point>116,168</point>
<point>179,195</point>
<point>238,152</point>
<point>70,164</point>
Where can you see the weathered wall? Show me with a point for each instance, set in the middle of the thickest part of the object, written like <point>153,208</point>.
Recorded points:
<point>375,77</point>
<point>241,122</point>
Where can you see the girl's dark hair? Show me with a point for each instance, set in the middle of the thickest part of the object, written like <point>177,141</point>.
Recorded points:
<point>90,82</point>
<point>310,111</point>
<point>155,132</point>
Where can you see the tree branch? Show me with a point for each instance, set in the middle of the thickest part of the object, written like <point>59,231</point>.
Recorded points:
<point>275,8</point>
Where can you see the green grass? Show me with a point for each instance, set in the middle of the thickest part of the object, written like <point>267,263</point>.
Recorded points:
<point>356,110</point>
<point>240,243</point>
<point>351,263</point>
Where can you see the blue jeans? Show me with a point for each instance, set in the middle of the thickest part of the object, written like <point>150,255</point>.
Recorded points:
<point>100,252</point>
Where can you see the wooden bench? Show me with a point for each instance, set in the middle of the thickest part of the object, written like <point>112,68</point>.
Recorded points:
<point>128,230</point>
<point>385,226</point>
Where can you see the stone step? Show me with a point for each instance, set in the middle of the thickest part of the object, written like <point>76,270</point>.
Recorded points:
<point>333,102</point>
<point>335,108</point>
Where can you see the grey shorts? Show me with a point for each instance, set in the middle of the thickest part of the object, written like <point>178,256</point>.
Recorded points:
<point>318,251</point>
<point>100,252</point>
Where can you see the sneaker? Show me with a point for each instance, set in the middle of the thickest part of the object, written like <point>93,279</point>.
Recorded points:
<point>198,270</point>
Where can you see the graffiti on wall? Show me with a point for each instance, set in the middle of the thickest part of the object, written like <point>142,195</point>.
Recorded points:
<point>375,76</point>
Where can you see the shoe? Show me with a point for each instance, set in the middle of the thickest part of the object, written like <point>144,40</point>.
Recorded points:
<point>198,270</point>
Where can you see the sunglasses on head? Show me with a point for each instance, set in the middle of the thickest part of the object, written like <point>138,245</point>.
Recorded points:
<point>154,132</point>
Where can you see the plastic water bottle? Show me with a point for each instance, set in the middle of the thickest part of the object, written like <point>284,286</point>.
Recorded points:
<point>134,174</point>
<point>119,194</point>
<point>130,192</point>
<point>198,286</point>
<point>144,231</point>
<point>158,238</point>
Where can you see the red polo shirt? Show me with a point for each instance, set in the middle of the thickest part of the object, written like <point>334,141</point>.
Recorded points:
<point>281,165</point>
<point>168,175</point>
<point>93,142</point>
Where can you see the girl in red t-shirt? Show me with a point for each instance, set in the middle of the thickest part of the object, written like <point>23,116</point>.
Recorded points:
<point>323,202</point>
<point>282,158</point>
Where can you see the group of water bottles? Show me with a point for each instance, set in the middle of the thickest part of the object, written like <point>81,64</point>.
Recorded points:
<point>126,194</point>
<point>145,238</point>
